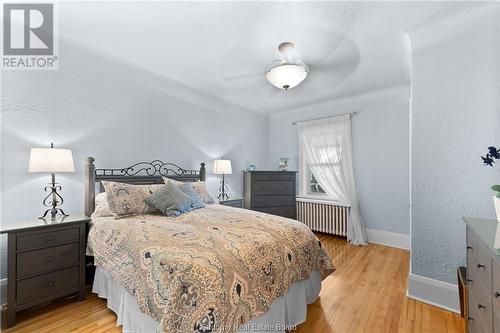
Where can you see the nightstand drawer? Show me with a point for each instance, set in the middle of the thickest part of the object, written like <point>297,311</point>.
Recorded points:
<point>28,241</point>
<point>48,259</point>
<point>233,203</point>
<point>46,285</point>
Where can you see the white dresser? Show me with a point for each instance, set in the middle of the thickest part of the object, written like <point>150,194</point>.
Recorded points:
<point>483,276</point>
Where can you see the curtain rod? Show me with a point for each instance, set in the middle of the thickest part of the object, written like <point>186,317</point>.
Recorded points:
<point>337,115</point>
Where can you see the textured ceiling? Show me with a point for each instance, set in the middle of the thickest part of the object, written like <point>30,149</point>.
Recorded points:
<point>224,48</point>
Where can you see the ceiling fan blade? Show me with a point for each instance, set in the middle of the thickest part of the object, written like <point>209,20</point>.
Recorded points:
<point>242,76</point>
<point>335,65</point>
<point>345,51</point>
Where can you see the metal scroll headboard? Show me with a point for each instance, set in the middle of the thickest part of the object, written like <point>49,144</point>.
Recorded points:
<point>139,173</point>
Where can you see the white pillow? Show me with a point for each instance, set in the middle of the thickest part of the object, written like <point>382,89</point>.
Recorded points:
<point>199,187</point>
<point>101,206</point>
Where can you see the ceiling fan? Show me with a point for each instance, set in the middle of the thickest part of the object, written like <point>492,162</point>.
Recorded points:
<point>324,60</point>
<point>287,74</point>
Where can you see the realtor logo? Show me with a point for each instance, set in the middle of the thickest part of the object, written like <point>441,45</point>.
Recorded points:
<point>28,36</point>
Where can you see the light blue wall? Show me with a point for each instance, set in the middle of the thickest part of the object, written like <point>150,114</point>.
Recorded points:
<point>120,114</point>
<point>380,134</point>
<point>455,117</point>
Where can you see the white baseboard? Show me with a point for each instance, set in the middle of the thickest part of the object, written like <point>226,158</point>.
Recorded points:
<point>441,294</point>
<point>388,238</point>
<point>3,291</point>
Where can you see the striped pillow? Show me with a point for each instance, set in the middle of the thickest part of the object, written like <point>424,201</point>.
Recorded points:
<point>170,200</point>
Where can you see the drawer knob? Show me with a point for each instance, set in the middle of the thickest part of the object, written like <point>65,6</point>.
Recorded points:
<point>469,247</point>
<point>480,306</point>
<point>50,284</point>
<point>51,258</point>
<point>497,294</point>
<point>470,318</point>
<point>480,266</point>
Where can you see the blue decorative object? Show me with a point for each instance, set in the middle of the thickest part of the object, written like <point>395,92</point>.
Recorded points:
<point>196,201</point>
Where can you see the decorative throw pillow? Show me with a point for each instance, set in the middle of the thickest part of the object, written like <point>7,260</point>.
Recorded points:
<point>127,200</point>
<point>101,206</point>
<point>196,201</point>
<point>170,200</point>
<point>199,187</point>
<point>202,192</point>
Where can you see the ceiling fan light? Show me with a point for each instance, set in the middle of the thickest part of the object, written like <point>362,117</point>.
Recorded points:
<point>286,76</point>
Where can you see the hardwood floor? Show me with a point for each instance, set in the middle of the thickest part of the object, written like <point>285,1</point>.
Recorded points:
<point>367,293</point>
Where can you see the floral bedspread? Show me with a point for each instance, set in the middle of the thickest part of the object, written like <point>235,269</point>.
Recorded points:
<point>209,270</point>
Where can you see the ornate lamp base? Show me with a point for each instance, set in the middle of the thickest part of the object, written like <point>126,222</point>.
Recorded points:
<point>53,200</point>
<point>222,189</point>
<point>53,213</point>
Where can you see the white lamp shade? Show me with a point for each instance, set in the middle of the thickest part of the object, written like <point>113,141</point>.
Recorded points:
<point>222,167</point>
<point>286,76</point>
<point>51,160</point>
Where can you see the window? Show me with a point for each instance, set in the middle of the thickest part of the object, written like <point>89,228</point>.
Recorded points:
<point>314,186</point>
<point>309,185</point>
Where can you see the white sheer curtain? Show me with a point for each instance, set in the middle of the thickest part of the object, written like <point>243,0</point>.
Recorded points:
<point>327,149</point>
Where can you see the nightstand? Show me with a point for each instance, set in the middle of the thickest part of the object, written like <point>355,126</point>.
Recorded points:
<point>232,202</point>
<point>45,261</point>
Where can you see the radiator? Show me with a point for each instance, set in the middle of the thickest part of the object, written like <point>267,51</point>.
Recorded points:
<point>323,217</point>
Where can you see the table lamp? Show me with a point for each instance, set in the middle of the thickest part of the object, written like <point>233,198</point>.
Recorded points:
<point>222,167</point>
<point>52,160</point>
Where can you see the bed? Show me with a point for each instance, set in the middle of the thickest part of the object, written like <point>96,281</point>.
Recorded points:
<point>214,269</point>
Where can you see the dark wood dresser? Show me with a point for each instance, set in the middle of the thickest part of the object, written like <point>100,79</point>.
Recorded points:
<point>46,260</point>
<point>483,275</point>
<point>271,192</point>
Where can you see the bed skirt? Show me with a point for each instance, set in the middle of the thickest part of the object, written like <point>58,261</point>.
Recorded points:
<point>285,313</point>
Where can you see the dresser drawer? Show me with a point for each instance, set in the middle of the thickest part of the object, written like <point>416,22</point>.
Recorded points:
<point>47,285</point>
<point>280,211</point>
<point>270,201</point>
<point>471,249</point>
<point>273,177</point>
<point>496,322</point>
<point>28,241</point>
<point>482,268</point>
<point>496,293</point>
<point>481,310</point>
<point>273,188</point>
<point>48,259</point>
